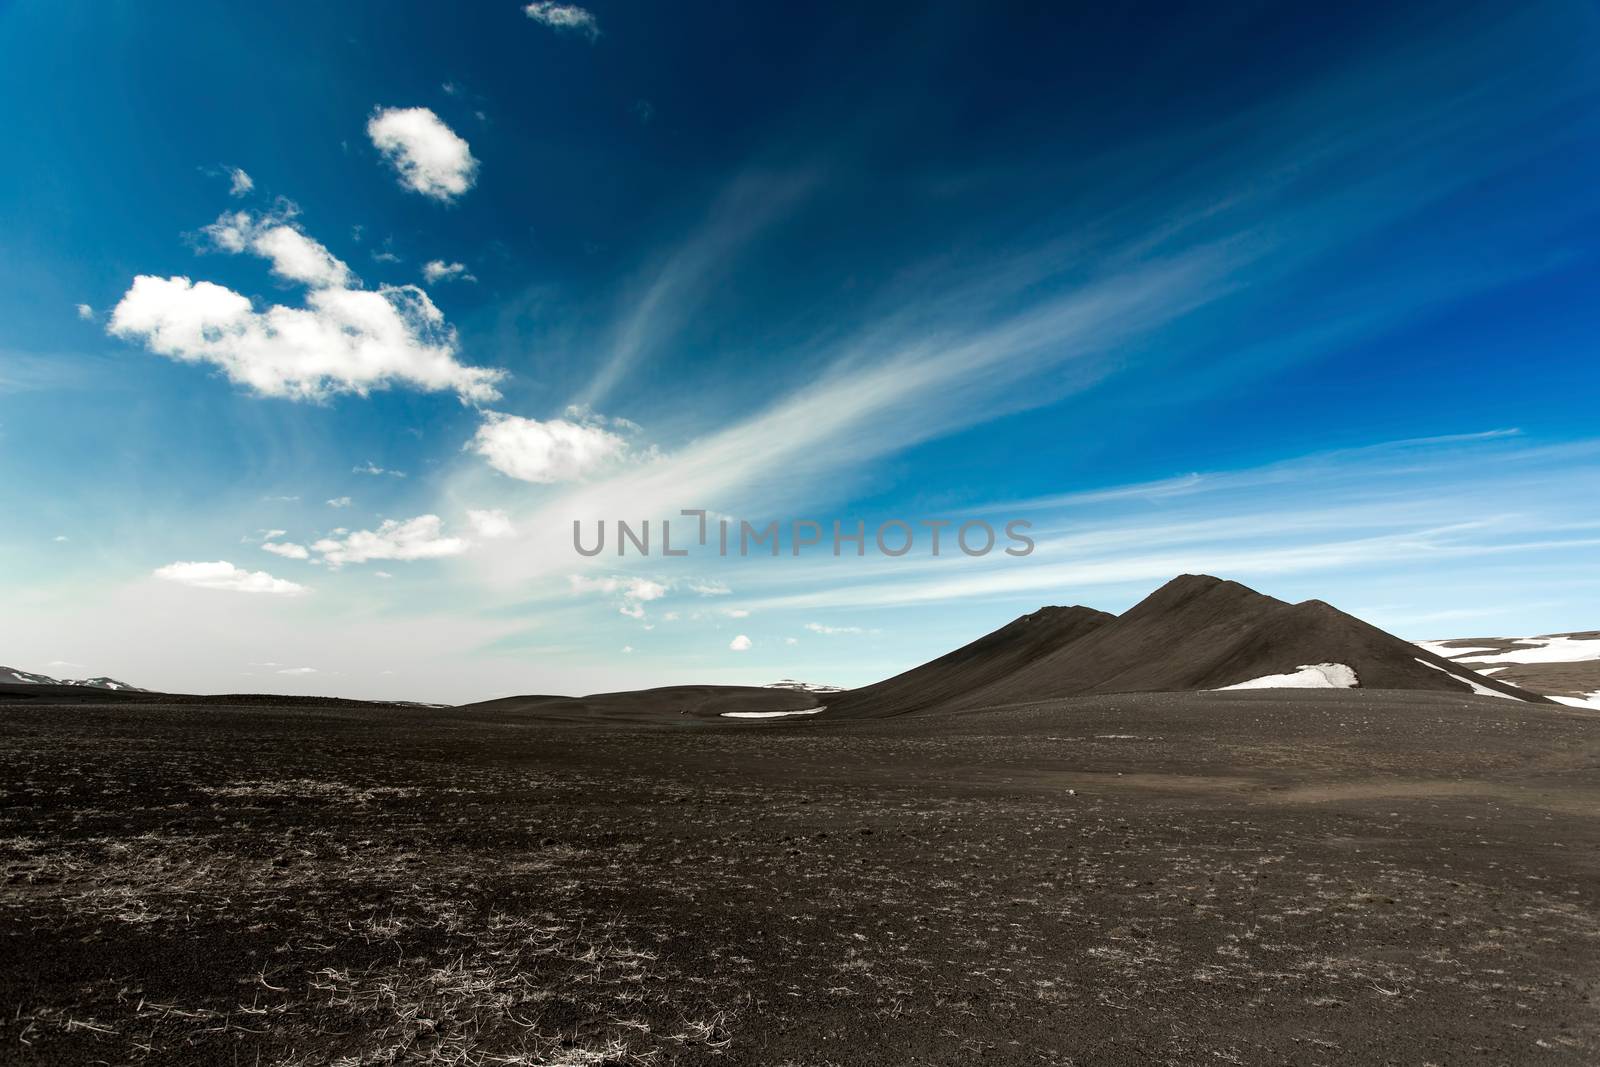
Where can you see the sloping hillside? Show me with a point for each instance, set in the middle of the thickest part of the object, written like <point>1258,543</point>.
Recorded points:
<point>973,668</point>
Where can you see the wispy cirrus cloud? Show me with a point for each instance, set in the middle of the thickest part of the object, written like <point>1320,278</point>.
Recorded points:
<point>918,386</point>
<point>670,290</point>
<point>1351,512</point>
<point>1159,276</point>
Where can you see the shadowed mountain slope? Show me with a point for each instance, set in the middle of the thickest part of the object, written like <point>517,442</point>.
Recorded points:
<point>972,668</point>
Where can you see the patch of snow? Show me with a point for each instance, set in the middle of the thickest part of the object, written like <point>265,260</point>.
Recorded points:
<point>1480,690</point>
<point>1442,648</point>
<point>1306,676</point>
<point>1592,700</point>
<point>1546,650</point>
<point>768,714</point>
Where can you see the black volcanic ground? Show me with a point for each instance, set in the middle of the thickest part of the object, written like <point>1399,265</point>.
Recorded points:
<point>1322,877</point>
<point>1311,877</point>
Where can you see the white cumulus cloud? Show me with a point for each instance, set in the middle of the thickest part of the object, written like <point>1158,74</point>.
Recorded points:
<point>545,452</point>
<point>430,157</point>
<point>339,502</point>
<point>85,312</point>
<point>408,539</point>
<point>567,18</point>
<point>239,183</point>
<point>221,574</point>
<point>295,256</point>
<point>342,341</point>
<point>740,644</point>
<point>286,549</point>
<point>437,270</point>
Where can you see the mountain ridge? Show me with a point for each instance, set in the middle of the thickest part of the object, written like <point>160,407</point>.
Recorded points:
<point>12,675</point>
<point>1196,632</point>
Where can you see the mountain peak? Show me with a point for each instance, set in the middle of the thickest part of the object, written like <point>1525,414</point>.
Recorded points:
<point>1187,592</point>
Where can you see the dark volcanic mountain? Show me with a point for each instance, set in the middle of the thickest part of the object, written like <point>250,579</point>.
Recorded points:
<point>1194,633</point>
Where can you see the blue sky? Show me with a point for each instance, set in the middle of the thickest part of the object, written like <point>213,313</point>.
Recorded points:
<point>1301,297</point>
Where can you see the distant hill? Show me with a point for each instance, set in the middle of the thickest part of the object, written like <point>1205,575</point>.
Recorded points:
<point>1564,667</point>
<point>1194,633</point>
<point>12,676</point>
<point>802,687</point>
<point>677,703</point>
